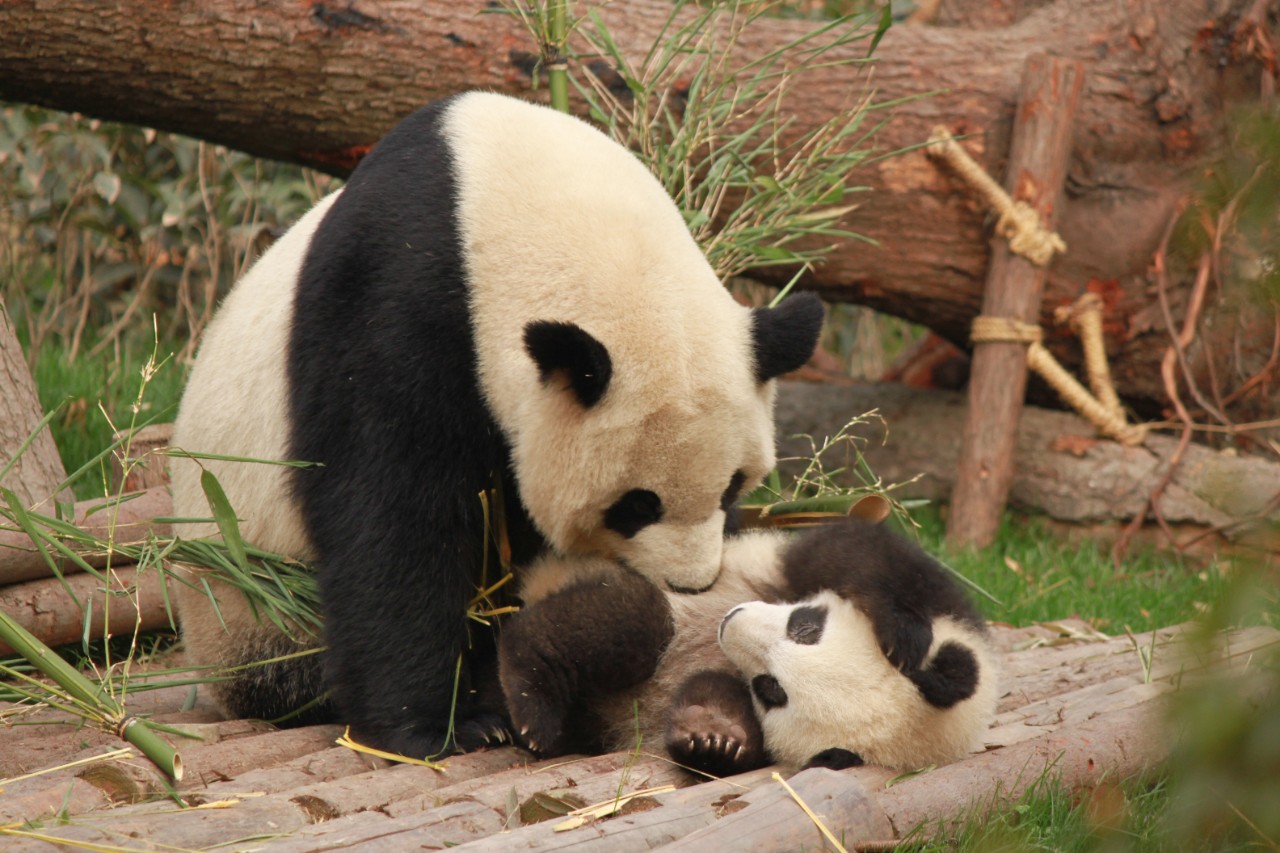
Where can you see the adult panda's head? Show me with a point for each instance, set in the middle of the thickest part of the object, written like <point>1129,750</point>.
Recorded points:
<point>635,393</point>
<point>645,469</point>
<point>826,694</point>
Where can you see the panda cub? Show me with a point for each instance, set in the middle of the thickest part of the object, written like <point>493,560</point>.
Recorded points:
<point>844,646</point>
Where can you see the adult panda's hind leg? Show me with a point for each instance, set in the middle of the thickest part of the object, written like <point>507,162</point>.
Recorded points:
<point>230,635</point>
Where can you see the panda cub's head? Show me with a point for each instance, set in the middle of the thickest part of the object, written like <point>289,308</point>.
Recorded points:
<point>821,684</point>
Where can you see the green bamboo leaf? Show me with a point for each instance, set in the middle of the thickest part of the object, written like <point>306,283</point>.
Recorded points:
<point>225,517</point>
<point>886,21</point>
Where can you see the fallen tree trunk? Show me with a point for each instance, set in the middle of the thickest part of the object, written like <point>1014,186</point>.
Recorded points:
<point>1061,467</point>
<point>130,520</point>
<point>55,609</point>
<point>316,84</point>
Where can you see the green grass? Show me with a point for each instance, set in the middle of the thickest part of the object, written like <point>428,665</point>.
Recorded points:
<point>1132,816</point>
<point>94,397</point>
<point>1038,576</point>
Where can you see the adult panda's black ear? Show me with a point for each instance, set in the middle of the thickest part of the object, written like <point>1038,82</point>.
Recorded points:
<point>569,352</point>
<point>785,336</point>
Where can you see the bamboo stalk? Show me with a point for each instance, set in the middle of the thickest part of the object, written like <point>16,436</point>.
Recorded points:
<point>557,64</point>
<point>96,704</point>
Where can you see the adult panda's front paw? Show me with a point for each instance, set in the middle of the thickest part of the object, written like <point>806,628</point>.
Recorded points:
<point>537,720</point>
<point>478,732</point>
<point>481,731</point>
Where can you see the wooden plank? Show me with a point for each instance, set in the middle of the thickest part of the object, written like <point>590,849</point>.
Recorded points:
<point>1038,159</point>
<point>664,819</point>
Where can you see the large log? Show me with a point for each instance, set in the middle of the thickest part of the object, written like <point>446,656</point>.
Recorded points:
<point>319,83</point>
<point>131,519</point>
<point>1062,468</point>
<point>54,609</point>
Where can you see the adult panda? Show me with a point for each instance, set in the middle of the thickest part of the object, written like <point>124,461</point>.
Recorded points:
<point>846,645</point>
<point>499,294</point>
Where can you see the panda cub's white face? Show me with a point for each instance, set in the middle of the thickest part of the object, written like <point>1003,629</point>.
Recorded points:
<point>819,680</point>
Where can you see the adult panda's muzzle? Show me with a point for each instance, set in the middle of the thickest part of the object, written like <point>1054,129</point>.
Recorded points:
<point>682,558</point>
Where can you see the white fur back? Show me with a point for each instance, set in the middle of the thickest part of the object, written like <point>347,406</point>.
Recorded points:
<point>242,356</point>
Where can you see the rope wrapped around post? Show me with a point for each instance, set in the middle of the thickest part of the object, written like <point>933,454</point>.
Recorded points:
<point>1109,422</point>
<point>1085,319</point>
<point>1018,223</point>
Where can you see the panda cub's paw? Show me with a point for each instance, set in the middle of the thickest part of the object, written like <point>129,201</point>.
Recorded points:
<point>713,727</point>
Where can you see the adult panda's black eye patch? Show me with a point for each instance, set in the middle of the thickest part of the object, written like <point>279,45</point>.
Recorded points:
<point>805,625</point>
<point>770,693</point>
<point>633,512</point>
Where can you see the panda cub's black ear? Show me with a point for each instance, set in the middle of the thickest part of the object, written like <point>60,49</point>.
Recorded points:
<point>785,336</point>
<point>835,759</point>
<point>570,353</point>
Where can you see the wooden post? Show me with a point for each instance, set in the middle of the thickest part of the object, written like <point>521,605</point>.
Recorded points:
<point>1038,159</point>
<point>39,470</point>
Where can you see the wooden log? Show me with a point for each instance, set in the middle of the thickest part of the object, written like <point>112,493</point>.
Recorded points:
<point>676,815</point>
<point>1038,160</point>
<point>132,520</point>
<point>283,813</point>
<point>55,609</point>
<point>1061,468</point>
<point>306,83</point>
<point>39,470</point>
<point>41,795</point>
<point>487,807</point>
<point>774,821</point>
<point>144,466</point>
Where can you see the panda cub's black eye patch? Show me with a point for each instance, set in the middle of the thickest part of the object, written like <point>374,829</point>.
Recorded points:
<point>805,624</point>
<point>769,691</point>
<point>633,512</point>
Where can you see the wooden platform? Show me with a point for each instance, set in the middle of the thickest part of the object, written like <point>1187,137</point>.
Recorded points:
<point>1075,703</point>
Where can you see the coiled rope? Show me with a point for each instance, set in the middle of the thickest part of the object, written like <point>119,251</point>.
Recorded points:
<point>1021,226</point>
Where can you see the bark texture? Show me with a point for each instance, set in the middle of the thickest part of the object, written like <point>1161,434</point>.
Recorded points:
<point>1062,468</point>
<point>1047,103</point>
<point>319,83</point>
<point>39,470</point>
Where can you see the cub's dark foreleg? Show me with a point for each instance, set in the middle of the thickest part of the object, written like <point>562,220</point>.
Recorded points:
<point>713,725</point>
<point>895,583</point>
<point>591,638</point>
<point>951,677</point>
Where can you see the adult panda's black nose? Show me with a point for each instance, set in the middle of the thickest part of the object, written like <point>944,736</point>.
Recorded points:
<point>725,620</point>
